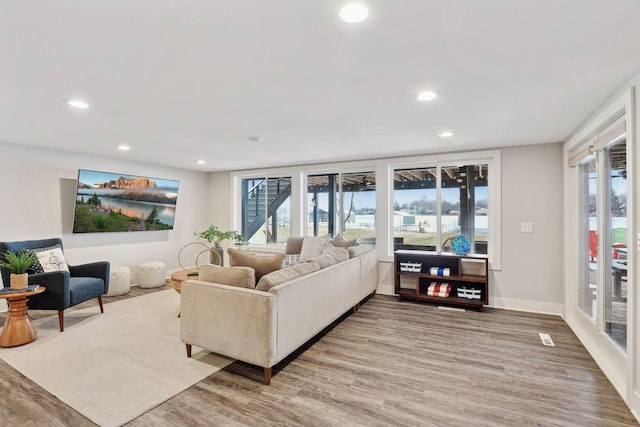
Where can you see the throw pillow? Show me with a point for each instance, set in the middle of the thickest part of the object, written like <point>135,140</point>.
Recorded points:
<point>243,277</point>
<point>279,277</point>
<point>290,260</point>
<point>332,256</point>
<point>261,264</point>
<point>276,278</point>
<point>50,259</point>
<point>307,268</point>
<point>312,247</point>
<point>340,242</point>
<point>293,245</point>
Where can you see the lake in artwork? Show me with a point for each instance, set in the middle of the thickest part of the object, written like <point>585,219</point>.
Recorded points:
<point>118,202</point>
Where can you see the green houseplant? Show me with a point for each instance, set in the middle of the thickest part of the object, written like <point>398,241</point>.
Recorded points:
<point>18,264</point>
<point>215,236</point>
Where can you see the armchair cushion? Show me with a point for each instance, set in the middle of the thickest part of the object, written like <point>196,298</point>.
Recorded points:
<point>84,288</point>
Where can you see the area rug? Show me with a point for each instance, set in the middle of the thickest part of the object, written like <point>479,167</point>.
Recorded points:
<point>115,366</point>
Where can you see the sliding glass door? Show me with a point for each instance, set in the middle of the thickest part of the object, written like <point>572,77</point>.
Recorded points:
<point>615,283</point>
<point>603,279</point>
<point>588,289</point>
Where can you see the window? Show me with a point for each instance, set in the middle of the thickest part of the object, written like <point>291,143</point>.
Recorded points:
<point>342,204</point>
<point>432,204</point>
<point>601,163</point>
<point>359,206</point>
<point>266,209</point>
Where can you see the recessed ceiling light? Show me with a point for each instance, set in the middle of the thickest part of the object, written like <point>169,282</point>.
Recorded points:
<point>200,162</point>
<point>445,134</point>
<point>78,103</point>
<point>123,147</point>
<point>426,96</point>
<point>354,13</point>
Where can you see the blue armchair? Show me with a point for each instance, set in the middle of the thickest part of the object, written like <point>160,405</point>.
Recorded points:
<point>64,289</point>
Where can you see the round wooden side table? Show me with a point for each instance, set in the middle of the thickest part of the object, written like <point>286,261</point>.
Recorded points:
<point>18,329</point>
<point>180,276</point>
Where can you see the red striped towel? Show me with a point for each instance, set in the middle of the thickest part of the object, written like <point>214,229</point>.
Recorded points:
<point>438,289</point>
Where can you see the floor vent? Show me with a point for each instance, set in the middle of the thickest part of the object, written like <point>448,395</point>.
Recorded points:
<point>441,307</point>
<point>546,339</point>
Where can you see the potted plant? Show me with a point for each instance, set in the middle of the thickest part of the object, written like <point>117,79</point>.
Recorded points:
<point>215,235</point>
<point>18,264</point>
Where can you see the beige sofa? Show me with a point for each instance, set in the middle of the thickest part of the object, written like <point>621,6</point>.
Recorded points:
<point>262,328</point>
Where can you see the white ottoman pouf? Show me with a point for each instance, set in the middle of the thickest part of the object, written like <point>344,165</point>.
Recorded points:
<point>152,274</point>
<point>119,281</point>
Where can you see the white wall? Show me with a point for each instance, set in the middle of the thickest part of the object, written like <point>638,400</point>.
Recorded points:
<point>38,192</point>
<point>532,267</point>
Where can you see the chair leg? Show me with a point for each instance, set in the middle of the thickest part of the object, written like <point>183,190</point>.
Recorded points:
<point>100,302</point>
<point>188,350</point>
<point>61,320</point>
<point>267,376</point>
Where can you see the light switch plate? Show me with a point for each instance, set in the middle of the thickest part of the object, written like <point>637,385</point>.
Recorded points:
<point>526,227</point>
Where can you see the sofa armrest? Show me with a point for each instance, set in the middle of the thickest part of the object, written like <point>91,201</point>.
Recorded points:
<point>235,322</point>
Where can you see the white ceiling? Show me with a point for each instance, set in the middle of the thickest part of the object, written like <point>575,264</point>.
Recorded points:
<point>186,80</point>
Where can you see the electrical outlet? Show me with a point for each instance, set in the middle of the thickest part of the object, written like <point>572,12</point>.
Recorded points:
<point>526,227</point>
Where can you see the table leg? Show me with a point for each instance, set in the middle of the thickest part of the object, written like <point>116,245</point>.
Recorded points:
<point>18,329</point>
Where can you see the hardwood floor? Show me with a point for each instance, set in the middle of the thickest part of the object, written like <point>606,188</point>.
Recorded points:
<point>390,363</point>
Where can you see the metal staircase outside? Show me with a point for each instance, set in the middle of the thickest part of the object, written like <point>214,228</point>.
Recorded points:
<point>267,193</point>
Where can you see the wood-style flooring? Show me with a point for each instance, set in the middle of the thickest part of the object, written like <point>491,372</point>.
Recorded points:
<point>390,364</point>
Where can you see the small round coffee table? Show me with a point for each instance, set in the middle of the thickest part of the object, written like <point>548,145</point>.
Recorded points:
<point>180,276</point>
<point>18,329</point>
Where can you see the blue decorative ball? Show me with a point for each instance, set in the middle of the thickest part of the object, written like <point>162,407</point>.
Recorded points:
<point>460,245</point>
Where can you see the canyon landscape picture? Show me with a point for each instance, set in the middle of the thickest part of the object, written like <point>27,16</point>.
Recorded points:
<point>117,202</point>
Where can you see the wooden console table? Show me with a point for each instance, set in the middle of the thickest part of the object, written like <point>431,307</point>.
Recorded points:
<point>18,329</point>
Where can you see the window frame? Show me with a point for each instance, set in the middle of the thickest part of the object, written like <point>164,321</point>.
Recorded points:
<point>492,158</point>
<point>383,169</point>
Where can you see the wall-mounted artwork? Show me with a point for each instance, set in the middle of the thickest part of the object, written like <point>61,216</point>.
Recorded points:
<point>117,202</point>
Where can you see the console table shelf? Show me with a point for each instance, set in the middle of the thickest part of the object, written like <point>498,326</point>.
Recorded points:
<point>468,274</point>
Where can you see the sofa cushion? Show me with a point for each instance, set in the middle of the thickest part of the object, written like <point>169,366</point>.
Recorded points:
<point>307,267</point>
<point>332,256</point>
<point>50,259</point>
<point>276,278</point>
<point>312,247</point>
<point>293,245</point>
<point>356,251</point>
<point>243,277</point>
<point>261,264</point>
<point>279,277</point>
<point>340,242</point>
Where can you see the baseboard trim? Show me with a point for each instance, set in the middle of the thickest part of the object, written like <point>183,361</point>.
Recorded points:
<point>528,306</point>
<point>504,303</point>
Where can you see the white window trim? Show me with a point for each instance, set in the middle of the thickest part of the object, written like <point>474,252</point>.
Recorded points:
<point>383,169</point>
<point>494,161</point>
